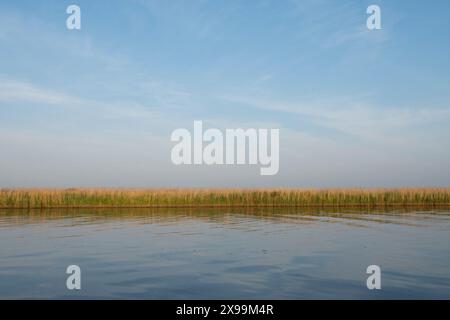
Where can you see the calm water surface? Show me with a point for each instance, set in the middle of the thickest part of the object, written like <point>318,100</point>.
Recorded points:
<point>221,254</point>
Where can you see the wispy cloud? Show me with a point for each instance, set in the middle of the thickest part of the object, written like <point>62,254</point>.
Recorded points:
<point>13,91</point>
<point>358,118</point>
<point>35,35</point>
<point>331,23</point>
<point>18,91</point>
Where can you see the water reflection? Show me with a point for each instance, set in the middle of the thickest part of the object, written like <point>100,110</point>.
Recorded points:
<point>225,253</point>
<point>235,216</point>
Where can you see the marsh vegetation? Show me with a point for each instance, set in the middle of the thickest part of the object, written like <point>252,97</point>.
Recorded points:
<point>74,198</point>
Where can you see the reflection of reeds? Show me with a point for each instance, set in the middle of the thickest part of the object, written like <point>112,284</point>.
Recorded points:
<point>72,198</point>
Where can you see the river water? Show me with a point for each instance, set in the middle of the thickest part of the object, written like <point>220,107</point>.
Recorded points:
<point>224,253</point>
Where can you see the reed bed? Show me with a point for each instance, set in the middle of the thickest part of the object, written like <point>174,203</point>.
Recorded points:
<point>106,198</point>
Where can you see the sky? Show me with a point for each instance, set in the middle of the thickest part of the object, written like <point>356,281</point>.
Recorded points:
<point>96,107</point>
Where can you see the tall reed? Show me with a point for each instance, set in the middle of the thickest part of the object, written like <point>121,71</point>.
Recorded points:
<point>71,198</point>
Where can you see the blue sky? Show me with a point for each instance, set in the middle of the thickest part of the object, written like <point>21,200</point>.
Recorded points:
<point>96,107</point>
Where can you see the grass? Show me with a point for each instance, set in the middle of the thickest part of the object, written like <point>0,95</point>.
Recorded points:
<point>106,198</point>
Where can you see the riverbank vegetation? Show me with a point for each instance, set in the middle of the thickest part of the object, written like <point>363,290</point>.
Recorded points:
<point>104,198</point>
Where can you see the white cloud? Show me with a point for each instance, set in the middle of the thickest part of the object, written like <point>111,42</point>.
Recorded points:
<point>12,91</point>
<point>17,91</point>
<point>361,119</point>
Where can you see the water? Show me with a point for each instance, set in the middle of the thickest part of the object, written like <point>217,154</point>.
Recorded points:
<point>224,254</point>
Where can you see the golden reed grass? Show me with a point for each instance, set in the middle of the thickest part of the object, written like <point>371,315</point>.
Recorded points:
<point>103,198</point>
